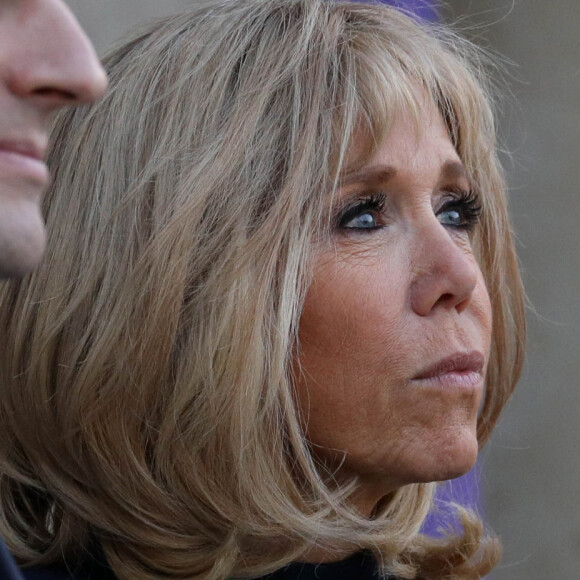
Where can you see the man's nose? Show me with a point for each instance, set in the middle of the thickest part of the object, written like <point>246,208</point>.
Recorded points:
<point>54,62</point>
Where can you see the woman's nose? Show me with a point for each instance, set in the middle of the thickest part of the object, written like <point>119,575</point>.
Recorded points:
<point>53,62</point>
<point>445,272</point>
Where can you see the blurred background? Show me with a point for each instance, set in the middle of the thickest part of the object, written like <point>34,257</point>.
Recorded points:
<point>530,472</point>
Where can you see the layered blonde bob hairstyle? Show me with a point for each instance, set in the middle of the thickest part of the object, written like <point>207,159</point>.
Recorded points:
<point>146,403</point>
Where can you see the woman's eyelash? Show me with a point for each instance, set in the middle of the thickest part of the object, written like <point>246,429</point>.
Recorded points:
<point>372,203</point>
<point>459,209</point>
<point>468,206</point>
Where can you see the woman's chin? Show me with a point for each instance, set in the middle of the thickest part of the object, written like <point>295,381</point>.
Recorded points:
<point>452,460</point>
<point>448,457</point>
<point>454,457</point>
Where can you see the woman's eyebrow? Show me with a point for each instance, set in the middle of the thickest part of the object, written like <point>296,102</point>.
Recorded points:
<point>453,169</point>
<point>373,175</point>
<point>379,174</point>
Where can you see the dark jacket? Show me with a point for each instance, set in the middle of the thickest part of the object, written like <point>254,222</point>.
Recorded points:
<point>360,566</point>
<point>8,569</point>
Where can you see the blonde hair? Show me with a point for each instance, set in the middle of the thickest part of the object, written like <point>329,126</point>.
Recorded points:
<point>146,398</point>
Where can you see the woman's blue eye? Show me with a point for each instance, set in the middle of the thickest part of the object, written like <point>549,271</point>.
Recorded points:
<point>362,221</point>
<point>451,217</point>
<point>363,213</point>
<point>462,212</point>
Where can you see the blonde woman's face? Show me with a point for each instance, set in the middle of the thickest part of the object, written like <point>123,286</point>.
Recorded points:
<point>396,328</point>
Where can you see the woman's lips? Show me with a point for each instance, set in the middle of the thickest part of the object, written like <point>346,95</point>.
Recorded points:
<point>21,159</point>
<point>461,369</point>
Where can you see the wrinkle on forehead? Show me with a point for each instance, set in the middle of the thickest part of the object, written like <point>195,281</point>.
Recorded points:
<point>418,107</point>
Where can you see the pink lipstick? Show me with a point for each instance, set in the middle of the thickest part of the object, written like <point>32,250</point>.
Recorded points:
<point>459,370</point>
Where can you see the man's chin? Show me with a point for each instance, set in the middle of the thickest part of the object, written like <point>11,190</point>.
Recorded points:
<point>22,238</point>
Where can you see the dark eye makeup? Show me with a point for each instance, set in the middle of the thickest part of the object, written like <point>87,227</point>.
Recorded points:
<point>457,209</point>
<point>363,213</point>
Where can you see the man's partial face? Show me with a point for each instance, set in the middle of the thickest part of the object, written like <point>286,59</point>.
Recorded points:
<point>46,62</point>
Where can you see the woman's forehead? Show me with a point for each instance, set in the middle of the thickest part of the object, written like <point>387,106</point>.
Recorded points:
<point>371,131</point>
